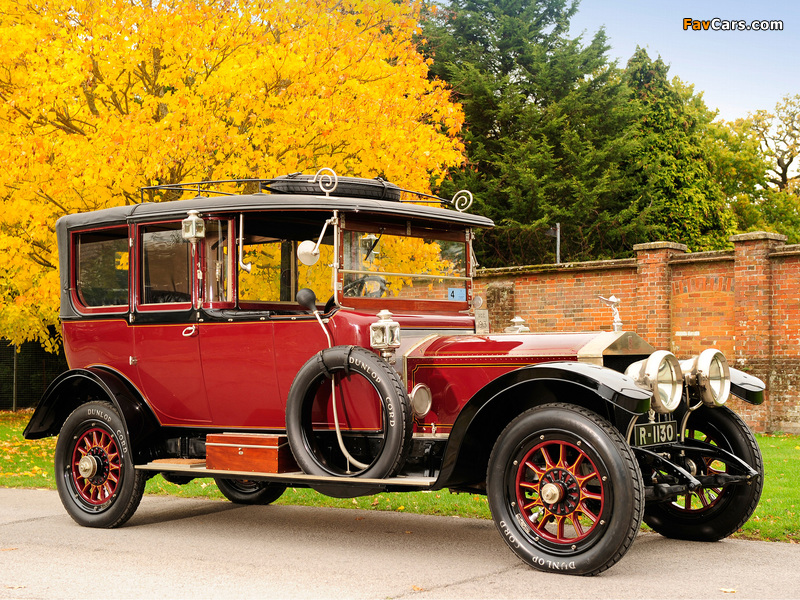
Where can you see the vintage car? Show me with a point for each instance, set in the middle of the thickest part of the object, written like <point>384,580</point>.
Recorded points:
<point>323,332</point>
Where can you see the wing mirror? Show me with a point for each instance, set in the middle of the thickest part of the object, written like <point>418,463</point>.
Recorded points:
<point>308,251</point>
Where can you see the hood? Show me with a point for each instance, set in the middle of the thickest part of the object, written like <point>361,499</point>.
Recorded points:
<point>589,347</point>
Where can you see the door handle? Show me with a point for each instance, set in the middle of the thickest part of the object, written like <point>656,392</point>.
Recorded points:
<point>190,331</point>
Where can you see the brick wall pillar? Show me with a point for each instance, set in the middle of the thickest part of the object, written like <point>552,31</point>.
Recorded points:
<point>654,289</point>
<point>500,302</point>
<point>752,335</point>
<point>753,292</point>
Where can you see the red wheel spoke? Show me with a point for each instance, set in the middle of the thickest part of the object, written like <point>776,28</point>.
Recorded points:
<point>560,528</point>
<point>549,464</point>
<point>577,525</point>
<point>534,468</point>
<point>562,459</point>
<point>585,510</point>
<point>546,518</point>
<point>536,502</point>
<point>587,495</point>
<point>576,465</point>
<point>582,480</point>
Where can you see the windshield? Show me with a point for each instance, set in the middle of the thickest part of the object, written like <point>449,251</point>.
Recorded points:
<point>377,264</point>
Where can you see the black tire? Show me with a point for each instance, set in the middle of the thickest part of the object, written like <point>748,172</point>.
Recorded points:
<point>95,476</point>
<point>565,490</point>
<point>351,187</point>
<point>710,514</point>
<point>315,448</point>
<point>246,491</point>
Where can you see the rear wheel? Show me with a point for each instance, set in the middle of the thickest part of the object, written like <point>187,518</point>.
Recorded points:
<point>95,476</point>
<point>712,513</point>
<point>246,491</point>
<point>564,490</point>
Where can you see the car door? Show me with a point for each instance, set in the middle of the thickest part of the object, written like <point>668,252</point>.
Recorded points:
<point>166,333</point>
<point>236,345</point>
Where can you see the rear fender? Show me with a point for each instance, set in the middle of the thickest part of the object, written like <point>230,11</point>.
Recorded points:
<point>612,395</point>
<point>78,386</point>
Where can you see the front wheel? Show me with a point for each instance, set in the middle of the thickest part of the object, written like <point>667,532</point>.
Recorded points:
<point>95,476</point>
<point>246,491</point>
<point>712,513</point>
<point>564,490</point>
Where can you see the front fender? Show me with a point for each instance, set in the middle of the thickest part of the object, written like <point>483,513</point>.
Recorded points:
<point>607,392</point>
<point>77,386</point>
<point>747,387</point>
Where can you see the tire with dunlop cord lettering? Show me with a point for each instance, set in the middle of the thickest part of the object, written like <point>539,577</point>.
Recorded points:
<point>565,490</point>
<point>247,491</point>
<point>712,513</point>
<point>95,476</point>
<point>382,449</point>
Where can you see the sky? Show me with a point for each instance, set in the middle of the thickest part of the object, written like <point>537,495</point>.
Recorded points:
<point>739,72</point>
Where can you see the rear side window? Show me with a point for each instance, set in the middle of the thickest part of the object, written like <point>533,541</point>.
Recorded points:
<point>102,259</point>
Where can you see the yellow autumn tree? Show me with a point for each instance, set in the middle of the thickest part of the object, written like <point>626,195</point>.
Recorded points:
<point>98,98</point>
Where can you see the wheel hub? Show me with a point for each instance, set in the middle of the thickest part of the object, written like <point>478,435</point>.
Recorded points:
<point>560,491</point>
<point>88,466</point>
<point>551,493</point>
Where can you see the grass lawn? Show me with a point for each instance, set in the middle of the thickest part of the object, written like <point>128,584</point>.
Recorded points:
<point>29,464</point>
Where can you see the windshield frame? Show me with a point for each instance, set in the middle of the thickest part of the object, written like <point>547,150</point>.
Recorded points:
<point>404,228</point>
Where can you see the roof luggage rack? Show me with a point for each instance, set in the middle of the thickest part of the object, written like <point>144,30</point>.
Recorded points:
<point>325,180</point>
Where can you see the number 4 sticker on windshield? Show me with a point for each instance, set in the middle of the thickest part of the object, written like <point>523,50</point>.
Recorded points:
<point>457,294</point>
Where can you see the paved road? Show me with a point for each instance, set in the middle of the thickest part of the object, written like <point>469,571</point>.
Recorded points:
<point>190,548</point>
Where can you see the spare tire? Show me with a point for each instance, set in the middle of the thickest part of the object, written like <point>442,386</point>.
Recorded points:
<point>374,411</point>
<point>351,187</point>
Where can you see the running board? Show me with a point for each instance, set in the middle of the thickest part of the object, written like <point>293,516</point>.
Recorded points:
<point>197,468</point>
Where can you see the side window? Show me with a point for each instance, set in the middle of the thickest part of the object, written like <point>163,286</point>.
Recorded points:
<point>166,265</point>
<point>276,275</point>
<point>217,278</point>
<point>101,264</point>
<point>270,277</point>
<point>318,277</point>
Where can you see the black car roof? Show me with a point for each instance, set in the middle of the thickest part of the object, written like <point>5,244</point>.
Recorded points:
<point>149,211</point>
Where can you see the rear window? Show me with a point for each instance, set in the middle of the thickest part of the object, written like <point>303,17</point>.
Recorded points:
<point>102,259</point>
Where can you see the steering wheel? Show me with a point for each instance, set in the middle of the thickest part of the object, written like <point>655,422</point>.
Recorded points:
<point>359,287</point>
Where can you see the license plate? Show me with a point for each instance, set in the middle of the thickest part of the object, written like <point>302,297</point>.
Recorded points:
<point>650,434</point>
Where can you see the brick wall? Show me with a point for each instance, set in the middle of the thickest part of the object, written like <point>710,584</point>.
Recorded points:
<point>745,302</point>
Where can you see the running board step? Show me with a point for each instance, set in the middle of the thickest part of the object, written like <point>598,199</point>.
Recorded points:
<point>198,468</point>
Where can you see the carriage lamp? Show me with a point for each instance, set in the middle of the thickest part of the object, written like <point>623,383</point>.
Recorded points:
<point>194,228</point>
<point>710,376</point>
<point>384,335</point>
<point>661,374</point>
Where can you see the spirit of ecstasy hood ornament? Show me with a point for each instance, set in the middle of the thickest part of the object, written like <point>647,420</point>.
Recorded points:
<point>613,302</point>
